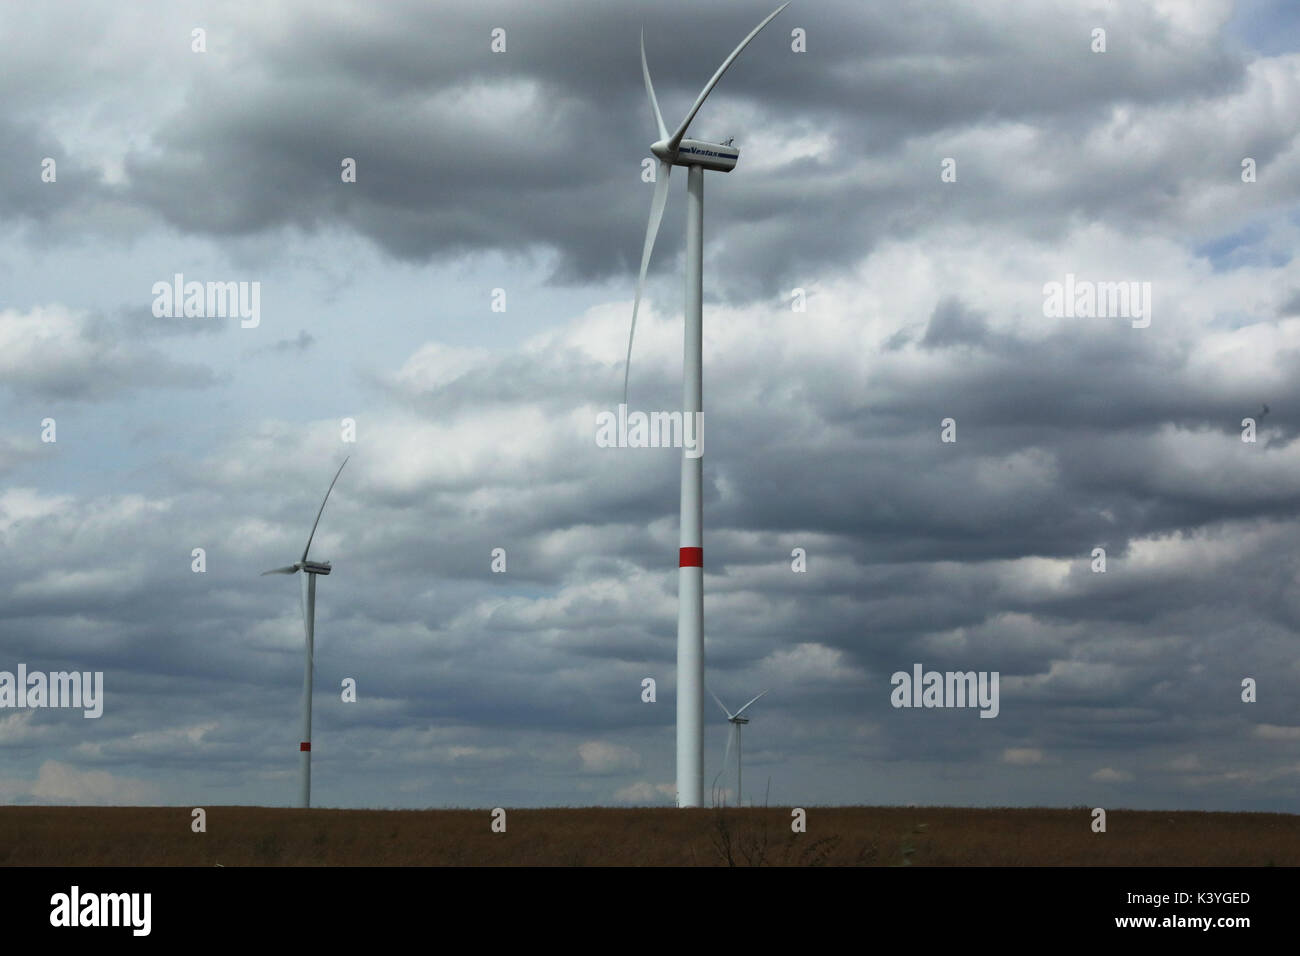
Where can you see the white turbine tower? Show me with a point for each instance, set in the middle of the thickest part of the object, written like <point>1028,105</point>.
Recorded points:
<point>697,156</point>
<point>736,723</point>
<point>312,568</point>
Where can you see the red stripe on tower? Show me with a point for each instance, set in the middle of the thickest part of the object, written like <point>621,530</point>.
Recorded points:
<point>305,745</point>
<point>692,558</point>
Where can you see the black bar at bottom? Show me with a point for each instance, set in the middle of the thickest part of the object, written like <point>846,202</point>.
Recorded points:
<point>317,904</point>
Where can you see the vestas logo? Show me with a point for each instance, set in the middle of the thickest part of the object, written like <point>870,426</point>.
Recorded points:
<point>695,151</point>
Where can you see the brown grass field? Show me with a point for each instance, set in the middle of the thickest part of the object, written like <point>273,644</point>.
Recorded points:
<point>836,836</point>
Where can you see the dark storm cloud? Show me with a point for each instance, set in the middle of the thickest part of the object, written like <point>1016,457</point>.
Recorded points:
<point>460,150</point>
<point>23,193</point>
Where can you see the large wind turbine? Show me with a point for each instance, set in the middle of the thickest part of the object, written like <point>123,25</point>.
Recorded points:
<point>312,568</point>
<point>697,156</point>
<point>736,723</point>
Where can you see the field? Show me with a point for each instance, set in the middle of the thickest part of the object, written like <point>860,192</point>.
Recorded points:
<point>836,836</point>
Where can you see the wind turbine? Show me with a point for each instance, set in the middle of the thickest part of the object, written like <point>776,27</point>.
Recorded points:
<point>697,156</point>
<point>312,568</point>
<point>736,723</point>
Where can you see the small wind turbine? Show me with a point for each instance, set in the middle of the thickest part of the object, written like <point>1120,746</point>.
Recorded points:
<point>736,723</point>
<point>312,568</point>
<point>697,156</point>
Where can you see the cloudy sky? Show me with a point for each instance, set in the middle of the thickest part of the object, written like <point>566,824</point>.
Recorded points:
<point>521,171</point>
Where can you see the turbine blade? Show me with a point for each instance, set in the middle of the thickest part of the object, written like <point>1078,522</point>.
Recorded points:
<point>322,509</point>
<point>657,205</point>
<point>650,88</point>
<point>290,569</point>
<point>742,710</point>
<point>708,88</point>
<point>721,704</point>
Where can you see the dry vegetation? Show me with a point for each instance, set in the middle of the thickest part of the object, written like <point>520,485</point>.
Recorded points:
<point>836,836</point>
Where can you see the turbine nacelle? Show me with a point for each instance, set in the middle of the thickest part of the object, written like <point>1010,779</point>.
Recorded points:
<point>715,156</point>
<point>719,157</point>
<point>311,567</point>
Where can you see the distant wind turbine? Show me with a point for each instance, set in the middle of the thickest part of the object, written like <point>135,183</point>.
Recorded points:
<point>312,568</point>
<point>697,156</point>
<point>736,722</point>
